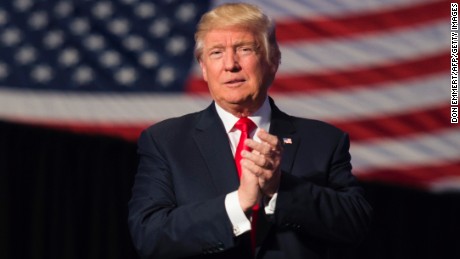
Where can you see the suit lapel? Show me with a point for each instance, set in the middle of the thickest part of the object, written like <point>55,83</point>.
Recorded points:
<point>213,143</point>
<point>281,126</point>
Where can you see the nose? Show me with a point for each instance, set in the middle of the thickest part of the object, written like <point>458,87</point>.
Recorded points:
<point>231,61</point>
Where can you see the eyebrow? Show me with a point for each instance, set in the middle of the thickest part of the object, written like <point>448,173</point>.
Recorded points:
<point>238,44</point>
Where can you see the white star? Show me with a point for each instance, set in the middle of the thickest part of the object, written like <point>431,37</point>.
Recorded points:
<point>79,26</point>
<point>42,73</point>
<point>119,26</point>
<point>149,59</point>
<point>176,45</point>
<point>126,76</point>
<point>110,59</point>
<point>83,75</point>
<point>26,55</point>
<point>22,5</point>
<point>160,27</point>
<point>94,42</point>
<point>134,43</point>
<point>11,37</point>
<point>69,57</point>
<point>3,17</point>
<point>53,39</point>
<point>186,12</point>
<point>38,20</point>
<point>3,71</point>
<point>166,75</point>
<point>63,9</point>
<point>102,10</point>
<point>145,10</point>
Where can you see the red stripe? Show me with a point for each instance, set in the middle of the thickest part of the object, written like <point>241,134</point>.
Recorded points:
<point>360,78</point>
<point>419,176</point>
<point>128,131</point>
<point>400,125</point>
<point>423,66</point>
<point>427,120</point>
<point>295,30</point>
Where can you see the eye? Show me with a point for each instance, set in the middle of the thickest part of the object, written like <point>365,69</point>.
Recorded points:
<point>215,53</point>
<point>245,50</point>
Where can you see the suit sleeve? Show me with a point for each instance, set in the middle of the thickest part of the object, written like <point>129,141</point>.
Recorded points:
<point>336,211</point>
<point>162,229</point>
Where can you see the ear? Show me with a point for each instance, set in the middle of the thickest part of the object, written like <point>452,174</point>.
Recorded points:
<point>270,70</point>
<point>274,68</point>
<point>203,70</point>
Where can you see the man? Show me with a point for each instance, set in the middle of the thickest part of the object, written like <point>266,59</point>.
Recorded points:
<point>203,191</point>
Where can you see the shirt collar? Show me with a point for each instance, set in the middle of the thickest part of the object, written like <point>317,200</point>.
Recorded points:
<point>261,117</point>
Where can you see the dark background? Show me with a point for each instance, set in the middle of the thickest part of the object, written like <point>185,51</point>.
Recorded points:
<point>64,195</point>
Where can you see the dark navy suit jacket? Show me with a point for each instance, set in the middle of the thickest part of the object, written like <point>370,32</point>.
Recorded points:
<point>187,168</point>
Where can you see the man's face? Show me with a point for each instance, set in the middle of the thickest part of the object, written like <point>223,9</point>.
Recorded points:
<point>235,69</point>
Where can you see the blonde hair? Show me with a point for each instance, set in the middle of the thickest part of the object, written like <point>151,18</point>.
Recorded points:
<point>244,16</point>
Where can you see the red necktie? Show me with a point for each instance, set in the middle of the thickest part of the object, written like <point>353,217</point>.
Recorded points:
<point>246,126</point>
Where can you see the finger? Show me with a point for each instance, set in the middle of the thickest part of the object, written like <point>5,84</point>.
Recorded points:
<point>272,140</point>
<point>252,167</point>
<point>260,160</point>
<point>263,148</point>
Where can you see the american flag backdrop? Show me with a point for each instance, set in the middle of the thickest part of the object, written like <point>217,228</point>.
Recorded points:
<point>377,69</point>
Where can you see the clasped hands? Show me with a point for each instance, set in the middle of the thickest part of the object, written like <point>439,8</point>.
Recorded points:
<point>260,174</point>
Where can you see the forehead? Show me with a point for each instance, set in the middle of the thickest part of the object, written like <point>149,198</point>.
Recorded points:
<point>228,36</point>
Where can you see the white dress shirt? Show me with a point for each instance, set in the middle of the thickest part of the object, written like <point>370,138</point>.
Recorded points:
<point>261,118</point>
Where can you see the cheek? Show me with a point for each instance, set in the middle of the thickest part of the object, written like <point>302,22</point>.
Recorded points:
<point>257,73</point>
<point>211,72</point>
<point>204,71</point>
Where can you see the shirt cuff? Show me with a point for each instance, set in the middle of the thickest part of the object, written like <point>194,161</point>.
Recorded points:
<point>270,205</point>
<point>240,222</point>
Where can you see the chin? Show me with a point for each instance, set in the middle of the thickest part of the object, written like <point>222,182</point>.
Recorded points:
<point>238,99</point>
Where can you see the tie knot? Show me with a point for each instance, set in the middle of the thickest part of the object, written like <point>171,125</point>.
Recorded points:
<point>244,124</point>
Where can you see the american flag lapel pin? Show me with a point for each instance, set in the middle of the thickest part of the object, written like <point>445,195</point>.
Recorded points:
<point>287,141</point>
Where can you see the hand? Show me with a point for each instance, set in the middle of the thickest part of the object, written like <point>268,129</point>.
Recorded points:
<point>264,161</point>
<point>249,191</point>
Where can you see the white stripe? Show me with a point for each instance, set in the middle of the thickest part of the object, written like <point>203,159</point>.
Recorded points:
<point>364,51</point>
<point>95,108</point>
<point>140,108</point>
<point>312,9</point>
<point>360,52</point>
<point>429,148</point>
<point>386,99</point>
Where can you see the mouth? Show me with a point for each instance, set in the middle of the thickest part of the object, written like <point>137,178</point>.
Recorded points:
<point>234,82</point>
